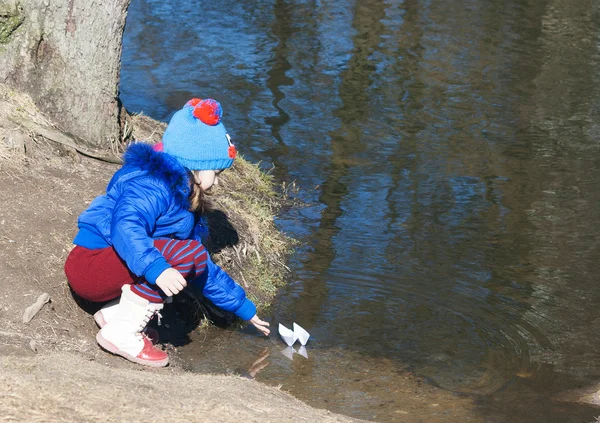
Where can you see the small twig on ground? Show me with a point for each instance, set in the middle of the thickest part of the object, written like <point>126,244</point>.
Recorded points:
<point>244,280</point>
<point>33,309</point>
<point>283,265</point>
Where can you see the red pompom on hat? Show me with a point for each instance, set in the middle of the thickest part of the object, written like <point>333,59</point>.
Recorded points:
<point>208,111</point>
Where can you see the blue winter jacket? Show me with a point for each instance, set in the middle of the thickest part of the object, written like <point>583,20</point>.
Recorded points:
<point>147,199</point>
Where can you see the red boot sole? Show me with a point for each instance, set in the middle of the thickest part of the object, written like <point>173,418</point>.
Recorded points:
<point>114,350</point>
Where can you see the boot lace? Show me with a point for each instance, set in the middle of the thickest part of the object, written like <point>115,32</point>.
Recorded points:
<point>148,316</point>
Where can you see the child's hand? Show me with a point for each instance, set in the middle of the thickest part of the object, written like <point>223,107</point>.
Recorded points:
<point>261,325</point>
<point>171,281</point>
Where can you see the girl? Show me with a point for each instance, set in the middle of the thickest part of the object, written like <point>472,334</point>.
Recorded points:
<point>140,241</point>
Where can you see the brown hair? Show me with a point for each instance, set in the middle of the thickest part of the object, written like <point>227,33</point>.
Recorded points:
<point>198,201</point>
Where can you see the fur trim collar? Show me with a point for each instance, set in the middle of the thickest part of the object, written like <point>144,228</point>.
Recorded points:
<point>162,166</point>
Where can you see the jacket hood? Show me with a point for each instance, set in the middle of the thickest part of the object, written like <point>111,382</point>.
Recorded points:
<point>162,166</point>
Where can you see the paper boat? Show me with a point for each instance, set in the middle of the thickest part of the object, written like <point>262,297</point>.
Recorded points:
<point>291,336</point>
<point>301,334</point>
<point>287,335</point>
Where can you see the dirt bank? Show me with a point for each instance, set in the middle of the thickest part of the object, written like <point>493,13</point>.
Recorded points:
<point>51,368</point>
<point>64,387</point>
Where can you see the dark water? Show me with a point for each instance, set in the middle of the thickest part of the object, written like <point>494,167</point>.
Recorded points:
<point>449,151</point>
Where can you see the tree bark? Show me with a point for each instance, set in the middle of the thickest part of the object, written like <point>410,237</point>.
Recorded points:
<point>66,54</point>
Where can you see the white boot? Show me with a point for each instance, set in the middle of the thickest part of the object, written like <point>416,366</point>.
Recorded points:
<point>109,310</point>
<point>106,313</point>
<point>122,335</point>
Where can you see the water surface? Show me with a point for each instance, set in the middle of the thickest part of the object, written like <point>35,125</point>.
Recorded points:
<point>448,152</point>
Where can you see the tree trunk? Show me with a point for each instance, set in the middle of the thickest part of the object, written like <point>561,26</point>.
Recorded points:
<point>66,55</point>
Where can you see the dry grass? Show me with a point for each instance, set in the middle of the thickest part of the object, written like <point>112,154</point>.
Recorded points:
<point>12,104</point>
<point>18,145</point>
<point>260,255</point>
<point>146,129</point>
<point>16,103</point>
<point>9,156</point>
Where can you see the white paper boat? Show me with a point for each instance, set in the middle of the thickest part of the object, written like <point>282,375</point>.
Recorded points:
<point>291,336</point>
<point>301,334</point>
<point>287,335</point>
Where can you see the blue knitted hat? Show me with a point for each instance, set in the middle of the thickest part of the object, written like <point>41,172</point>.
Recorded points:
<point>196,137</point>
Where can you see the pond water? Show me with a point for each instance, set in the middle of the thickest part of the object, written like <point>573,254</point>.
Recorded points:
<point>448,152</point>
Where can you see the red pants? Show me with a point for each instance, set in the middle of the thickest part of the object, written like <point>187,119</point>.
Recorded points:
<point>98,275</point>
